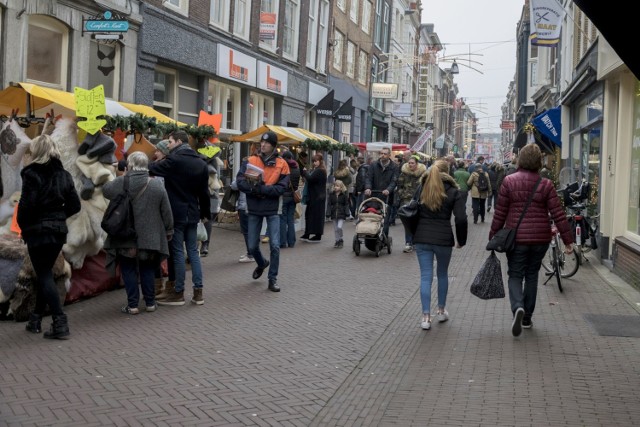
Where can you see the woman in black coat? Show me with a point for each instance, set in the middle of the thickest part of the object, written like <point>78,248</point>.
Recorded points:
<point>316,182</point>
<point>287,220</point>
<point>48,198</point>
<point>440,198</point>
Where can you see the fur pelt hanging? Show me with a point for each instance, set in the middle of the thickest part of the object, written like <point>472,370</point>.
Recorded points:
<point>11,164</point>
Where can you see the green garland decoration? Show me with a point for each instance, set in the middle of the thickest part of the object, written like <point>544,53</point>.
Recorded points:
<point>326,145</point>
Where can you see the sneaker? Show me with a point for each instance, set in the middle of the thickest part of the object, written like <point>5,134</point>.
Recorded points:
<point>175,298</point>
<point>129,310</point>
<point>426,323</point>
<point>151,308</point>
<point>527,323</point>
<point>265,239</point>
<point>337,245</point>
<point>489,209</point>
<point>516,326</point>
<point>304,237</point>
<point>443,316</point>
<point>259,270</point>
<point>246,258</point>
<point>340,243</point>
<point>407,248</point>
<point>197,296</point>
<point>314,239</point>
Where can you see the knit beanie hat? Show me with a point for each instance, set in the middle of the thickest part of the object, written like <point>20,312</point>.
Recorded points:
<point>163,147</point>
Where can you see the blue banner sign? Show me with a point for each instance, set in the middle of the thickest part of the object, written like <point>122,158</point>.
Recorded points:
<point>106,26</point>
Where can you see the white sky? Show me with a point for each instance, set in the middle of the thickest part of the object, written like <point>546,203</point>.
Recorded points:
<point>486,27</point>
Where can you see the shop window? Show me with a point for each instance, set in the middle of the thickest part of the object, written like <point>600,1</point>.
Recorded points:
<point>345,132</point>
<point>188,107</point>
<point>225,100</point>
<point>104,67</point>
<point>291,28</point>
<point>242,13</point>
<point>262,110</point>
<point>47,52</point>
<point>180,6</point>
<point>269,8</point>
<point>219,14</point>
<point>164,91</point>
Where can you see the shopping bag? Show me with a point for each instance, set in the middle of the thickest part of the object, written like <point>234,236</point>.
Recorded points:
<point>297,214</point>
<point>201,233</point>
<point>488,282</point>
<point>229,199</point>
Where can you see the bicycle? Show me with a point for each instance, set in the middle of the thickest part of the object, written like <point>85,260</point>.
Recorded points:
<point>557,262</point>
<point>585,228</point>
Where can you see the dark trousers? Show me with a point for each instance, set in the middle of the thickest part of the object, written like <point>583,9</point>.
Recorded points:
<point>492,199</point>
<point>244,227</point>
<point>43,257</point>
<point>524,263</point>
<point>133,271</point>
<point>478,206</point>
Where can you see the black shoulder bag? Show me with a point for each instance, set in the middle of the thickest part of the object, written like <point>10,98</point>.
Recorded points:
<point>505,239</point>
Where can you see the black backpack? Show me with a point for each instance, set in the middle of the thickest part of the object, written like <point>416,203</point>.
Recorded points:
<point>118,219</point>
<point>483,182</point>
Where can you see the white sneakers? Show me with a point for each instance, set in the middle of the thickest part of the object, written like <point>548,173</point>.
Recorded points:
<point>426,322</point>
<point>407,248</point>
<point>246,258</point>
<point>442,316</point>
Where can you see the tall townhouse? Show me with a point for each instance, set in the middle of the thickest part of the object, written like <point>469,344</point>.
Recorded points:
<point>378,125</point>
<point>428,77</point>
<point>350,70</point>
<point>45,43</point>
<point>253,61</point>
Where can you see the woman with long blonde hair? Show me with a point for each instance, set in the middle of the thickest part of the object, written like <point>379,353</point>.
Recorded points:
<point>433,237</point>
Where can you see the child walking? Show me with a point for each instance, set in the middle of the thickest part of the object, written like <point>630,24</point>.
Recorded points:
<point>339,206</point>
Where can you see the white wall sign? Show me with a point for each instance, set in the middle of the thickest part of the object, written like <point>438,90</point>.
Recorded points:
<point>234,65</point>
<point>272,78</point>
<point>384,90</point>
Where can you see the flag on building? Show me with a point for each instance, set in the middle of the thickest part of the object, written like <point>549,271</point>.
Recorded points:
<point>546,21</point>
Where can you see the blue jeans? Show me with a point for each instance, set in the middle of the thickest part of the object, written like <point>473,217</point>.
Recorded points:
<point>273,228</point>
<point>185,235</point>
<point>130,269</point>
<point>287,226</point>
<point>425,253</point>
<point>524,263</point>
<point>244,227</point>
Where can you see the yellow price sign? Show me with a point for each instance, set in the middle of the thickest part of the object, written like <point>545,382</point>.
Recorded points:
<point>90,104</point>
<point>209,151</point>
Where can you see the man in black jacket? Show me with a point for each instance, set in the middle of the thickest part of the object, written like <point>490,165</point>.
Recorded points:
<point>361,177</point>
<point>381,181</point>
<point>186,180</point>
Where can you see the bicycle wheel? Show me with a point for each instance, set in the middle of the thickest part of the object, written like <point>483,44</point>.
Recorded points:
<point>569,263</point>
<point>556,262</point>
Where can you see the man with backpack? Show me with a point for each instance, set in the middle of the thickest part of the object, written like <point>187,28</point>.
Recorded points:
<point>480,190</point>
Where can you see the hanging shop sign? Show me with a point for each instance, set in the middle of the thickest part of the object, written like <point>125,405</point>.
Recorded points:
<point>343,114</point>
<point>324,107</point>
<point>90,105</point>
<point>106,25</point>
<point>384,90</point>
<point>401,109</point>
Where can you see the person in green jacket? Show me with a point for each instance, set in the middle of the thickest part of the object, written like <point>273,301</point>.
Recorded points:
<point>461,175</point>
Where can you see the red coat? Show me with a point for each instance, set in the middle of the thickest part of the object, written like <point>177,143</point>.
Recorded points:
<point>535,228</point>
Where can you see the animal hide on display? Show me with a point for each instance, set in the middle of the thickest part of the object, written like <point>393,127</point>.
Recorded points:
<point>11,164</point>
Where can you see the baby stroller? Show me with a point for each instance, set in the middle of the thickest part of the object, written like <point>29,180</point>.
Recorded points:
<point>370,227</point>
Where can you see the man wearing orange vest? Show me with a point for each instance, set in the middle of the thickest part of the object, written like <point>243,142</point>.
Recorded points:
<point>264,177</point>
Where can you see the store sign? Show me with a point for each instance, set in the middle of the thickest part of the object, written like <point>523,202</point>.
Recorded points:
<point>106,23</point>
<point>507,125</point>
<point>424,137</point>
<point>268,25</point>
<point>272,79</point>
<point>401,109</point>
<point>384,90</point>
<point>234,65</point>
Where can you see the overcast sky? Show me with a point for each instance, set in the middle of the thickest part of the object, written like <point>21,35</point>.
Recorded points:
<point>487,29</point>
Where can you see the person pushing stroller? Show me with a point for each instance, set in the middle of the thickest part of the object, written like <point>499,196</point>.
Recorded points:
<point>381,178</point>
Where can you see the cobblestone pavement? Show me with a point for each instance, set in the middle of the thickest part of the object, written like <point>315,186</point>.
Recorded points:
<point>339,346</point>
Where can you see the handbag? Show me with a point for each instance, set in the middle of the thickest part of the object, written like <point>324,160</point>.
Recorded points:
<point>505,239</point>
<point>229,199</point>
<point>297,196</point>
<point>408,213</point>
<point>488,282</point>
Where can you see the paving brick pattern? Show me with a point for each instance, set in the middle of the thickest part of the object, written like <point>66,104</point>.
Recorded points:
<point>339,346</point>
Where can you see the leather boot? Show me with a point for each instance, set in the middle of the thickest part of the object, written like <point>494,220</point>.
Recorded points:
<point>59,328</point>
<point>159,285</point>
<point>169,288</point>
<point>34,325</point>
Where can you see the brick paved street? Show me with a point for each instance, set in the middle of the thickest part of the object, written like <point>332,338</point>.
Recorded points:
<point>339,346</point>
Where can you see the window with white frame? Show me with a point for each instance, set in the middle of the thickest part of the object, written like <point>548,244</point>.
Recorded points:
<point>363,67</point>
<point>534,74</point>
<point>224,99</point>
<point>377,37</point>
<point>262,110</point>
<point>242,14</point>
<point>323,35</point>
<point>317,35</point>
<point>385,27</point>
<point>104,67</point>
<point>351,59</point>
<point>164,91</point>
<point>353,10</point>
<point>291,25</point>
<point>338,46</point>
<point>269,11</point>
<point>367,7</point>
<point>345,132</point>
<point>180,6</point>
<point>219,14</point>
<point>342,5</point>
<point>47,52</point>
<point>312,31</point>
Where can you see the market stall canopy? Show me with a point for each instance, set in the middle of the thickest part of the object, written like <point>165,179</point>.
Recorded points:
<point>377,146</point>
<point>16,97</point>
<point>286,135</point>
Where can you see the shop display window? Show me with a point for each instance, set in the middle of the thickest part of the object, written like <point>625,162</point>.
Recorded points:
<point>104,67</point>
<point>225,100</point>
<point>164,90</point>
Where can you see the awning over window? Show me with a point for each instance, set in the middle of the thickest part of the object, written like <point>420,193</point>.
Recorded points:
<point>41,98</point>
<point>286,135</point>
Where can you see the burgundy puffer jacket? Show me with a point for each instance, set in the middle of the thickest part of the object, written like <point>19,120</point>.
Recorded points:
<point>535,228</point>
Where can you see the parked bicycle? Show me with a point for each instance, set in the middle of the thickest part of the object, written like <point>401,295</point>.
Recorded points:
<point>584,227</point>
<point>557,262</point>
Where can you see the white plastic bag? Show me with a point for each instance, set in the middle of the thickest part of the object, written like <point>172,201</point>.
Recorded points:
<point>201,233</point>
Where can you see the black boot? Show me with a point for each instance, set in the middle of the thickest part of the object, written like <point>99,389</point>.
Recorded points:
<point>34,325</point>
<point>273,285</point>
<point>204,249</point>
<point>59,328</point>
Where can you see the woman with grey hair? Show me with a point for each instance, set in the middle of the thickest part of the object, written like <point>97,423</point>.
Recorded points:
<point>140,256</point>
<point>48,198</point>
